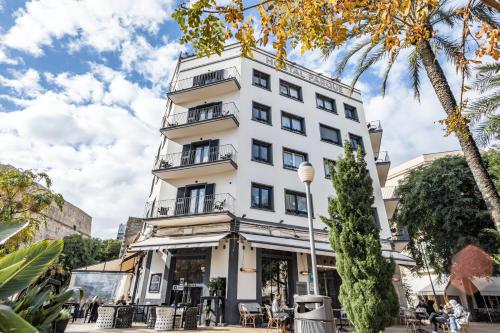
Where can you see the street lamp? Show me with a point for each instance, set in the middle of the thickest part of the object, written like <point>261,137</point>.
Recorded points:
<point>306,175</point>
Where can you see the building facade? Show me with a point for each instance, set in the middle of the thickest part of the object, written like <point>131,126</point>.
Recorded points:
<point>225,198</point>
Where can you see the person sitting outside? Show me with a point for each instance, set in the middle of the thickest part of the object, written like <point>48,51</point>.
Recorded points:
<point>434,317</point>
<point>458,316</point>
<point>278,312</point>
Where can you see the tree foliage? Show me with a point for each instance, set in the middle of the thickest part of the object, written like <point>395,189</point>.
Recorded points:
<point>366,292</point>
<point>24,195</point>
<point>442,208</point>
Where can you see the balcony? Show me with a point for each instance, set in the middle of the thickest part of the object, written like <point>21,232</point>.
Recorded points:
<point>201,121</point>
<point>204,86</point>
<point>203,209</point>
<point>375,131</point>
<point>196,162</point>
<point>390,200</point>
<point>383,164</point>
<point>399,237</point>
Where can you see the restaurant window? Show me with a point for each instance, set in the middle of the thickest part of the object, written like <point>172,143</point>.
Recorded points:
<point>330,134</point>
<point>327,164</point>
<point>356,141</point>
<point>295,203</point>
<point>155,283</point>
<point>351,112</point>
<point>261,113</point>
<point>290,90</point>
<point>189,270</point>
<point>276,273</point>
<point>325,103</point>
<point>292,123</point>
<point>261,152</point>
<point>292,159</point>
<point>262,196</point>
<point>262,80</point>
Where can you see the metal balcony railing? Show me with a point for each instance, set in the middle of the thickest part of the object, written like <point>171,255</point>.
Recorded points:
<point>196,115</point>
<point>199,155</point>
<point>374,126</point>
<point>383,157</point>
<point>202,204</point>
<point>201,80</point>
<point>399,233</point>
<point>389,192</point>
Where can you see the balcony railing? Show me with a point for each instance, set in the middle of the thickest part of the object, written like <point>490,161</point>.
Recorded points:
<point>205,79</point>
<point>202,114</point>
<point>389,192</point>
<point>203,204</point>
<point>374,126</point>
<point>196,156</point>
<point>382,157</point>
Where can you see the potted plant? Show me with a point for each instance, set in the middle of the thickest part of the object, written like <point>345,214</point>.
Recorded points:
<point>217,286</point>
<point>62,321</point>
<point>206,311</point>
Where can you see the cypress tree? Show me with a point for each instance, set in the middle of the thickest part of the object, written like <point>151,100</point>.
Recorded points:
<point>366,293</point>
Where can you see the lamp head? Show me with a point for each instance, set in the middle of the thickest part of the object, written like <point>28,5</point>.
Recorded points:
<point>306,172</point>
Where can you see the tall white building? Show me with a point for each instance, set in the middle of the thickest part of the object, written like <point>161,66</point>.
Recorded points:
<point>225,198</point>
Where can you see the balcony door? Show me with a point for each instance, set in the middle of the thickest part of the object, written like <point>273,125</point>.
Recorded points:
<point>199,152</point>
<point>195,199</point>
<point>204,112</point>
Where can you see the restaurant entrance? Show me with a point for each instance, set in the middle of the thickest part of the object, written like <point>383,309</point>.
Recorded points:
<point>278,276</point>
<point>188,280</point>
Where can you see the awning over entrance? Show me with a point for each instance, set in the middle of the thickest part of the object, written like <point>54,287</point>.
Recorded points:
<point>399,258</point>
<point>487,286</point>
<point>287,244</point>
<point>125,265</point>
<point>181,242</point>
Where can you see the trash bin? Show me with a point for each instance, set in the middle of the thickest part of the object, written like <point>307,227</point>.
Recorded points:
<point>313,314</point>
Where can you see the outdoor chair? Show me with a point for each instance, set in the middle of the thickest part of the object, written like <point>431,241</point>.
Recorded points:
<point>164,319</point>
<point>139,314</point>
<point>248,318</point>
<point>411,321</point>
<point>151,317</point>
<point>465,327</point>
<point>272,322</point>
<point>191,316</point>
<point>124,316</point>
<point>105,317</point>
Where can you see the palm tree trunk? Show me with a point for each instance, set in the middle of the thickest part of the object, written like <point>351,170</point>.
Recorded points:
<point>468,145</point>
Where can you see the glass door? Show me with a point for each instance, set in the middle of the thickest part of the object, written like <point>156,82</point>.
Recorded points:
<point>196,199</point>
<point>275,274</point>
<point>201,154</point>
<point>188,281</point>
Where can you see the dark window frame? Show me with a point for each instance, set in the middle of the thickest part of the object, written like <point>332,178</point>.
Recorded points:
<point>355,109</point>
<point>297,152</point>
<point>155,290</point>
<point>268,87</point>
<point>269,148</point>
<point>270,190</point>
<point>330,141</point>
<point>292,116</point>
<point>270,122</point>
<point>328,160</point>
<point>334,104</point>
<point>298,88</point>
<point>296,194</point>
<point>354,136</point>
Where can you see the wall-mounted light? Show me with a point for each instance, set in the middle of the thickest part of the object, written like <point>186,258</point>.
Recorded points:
<point>304,272</point>
<point>248,270</point>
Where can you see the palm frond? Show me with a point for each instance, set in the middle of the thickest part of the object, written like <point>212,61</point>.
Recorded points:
<point>415,64</point>
<point>368,62</point>
<point>445,13</point>
<point>357,47</point>
<point>392,60</point>
<point>486,14</point>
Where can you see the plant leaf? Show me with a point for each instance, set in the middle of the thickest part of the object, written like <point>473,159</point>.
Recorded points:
<point>11,322</point>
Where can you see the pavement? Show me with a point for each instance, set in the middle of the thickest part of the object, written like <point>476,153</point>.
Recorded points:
<point>82,328</point>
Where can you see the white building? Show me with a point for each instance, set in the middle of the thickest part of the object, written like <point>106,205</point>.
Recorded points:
<point>225,198</point>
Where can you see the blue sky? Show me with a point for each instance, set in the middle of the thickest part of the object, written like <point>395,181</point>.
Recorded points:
<point>82,93</point>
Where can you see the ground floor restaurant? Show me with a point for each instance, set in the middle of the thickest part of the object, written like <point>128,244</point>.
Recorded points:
<point>231,264</point>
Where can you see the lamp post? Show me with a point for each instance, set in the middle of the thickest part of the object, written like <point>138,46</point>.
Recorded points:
<point>306,175</point>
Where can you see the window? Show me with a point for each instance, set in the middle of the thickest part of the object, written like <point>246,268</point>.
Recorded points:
<point>325,103</point>
<point>351,112</point>
<point>292,159</point>
<point>262,151</point>
<point>262,196</point>
<point>292,123</point>
<point>207,78</point>
<point>261,113</point>
<point>155,283</point>
<point>262,80</point>
<point>295,203</point>
<point>290,90</point>
<point>356,141</point>
<point>326,166</point>
<point>330,134</point>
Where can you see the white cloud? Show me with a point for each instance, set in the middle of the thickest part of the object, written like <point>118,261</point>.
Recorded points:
<point>26,83</point>
<point>96,142</point>
<point>5,58</point>
<point>102,25</point>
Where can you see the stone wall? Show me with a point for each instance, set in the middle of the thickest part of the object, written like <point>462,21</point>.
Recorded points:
<point>132,230</point>
<point>68,221</point>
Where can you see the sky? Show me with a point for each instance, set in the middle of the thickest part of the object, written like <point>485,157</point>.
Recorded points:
<point>83,89</point>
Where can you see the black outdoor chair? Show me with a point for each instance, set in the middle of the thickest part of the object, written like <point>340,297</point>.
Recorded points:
<point>190,319</point>
<point>124,316</point>
<point>139,314</point>
<point>152,317</point>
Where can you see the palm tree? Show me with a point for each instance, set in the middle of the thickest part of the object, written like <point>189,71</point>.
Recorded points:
<point>424,55</point>
<point>483,111</point>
